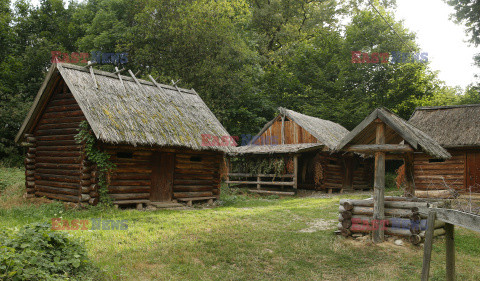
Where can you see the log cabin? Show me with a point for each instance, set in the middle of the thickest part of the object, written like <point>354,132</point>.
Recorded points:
<point>305,144</point>
<point>152,133</point>
<point>456,128</point>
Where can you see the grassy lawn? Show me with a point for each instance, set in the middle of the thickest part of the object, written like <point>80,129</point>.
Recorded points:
<point>247,238</point>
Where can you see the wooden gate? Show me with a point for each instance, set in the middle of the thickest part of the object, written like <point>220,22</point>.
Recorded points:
<point>473,171</point>
<point>162,176</point>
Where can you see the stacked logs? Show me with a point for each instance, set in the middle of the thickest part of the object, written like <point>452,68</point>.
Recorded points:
<point>30,166</point>
<point>402,218</point>
<point>85,182</point>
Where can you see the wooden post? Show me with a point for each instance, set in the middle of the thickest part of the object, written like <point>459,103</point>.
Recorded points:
<point>295,171</point>
<point>258,182</point>
<point>409,176</point>
<point>379,186</point>
<point>283,130</point>
<point>228,171</point>
<point>427,248</point>
<point>450,249</point>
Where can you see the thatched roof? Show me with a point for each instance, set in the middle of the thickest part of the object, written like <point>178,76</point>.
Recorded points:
<point>326,132</point>
<point>451,126</point>
<point>397,130</point>
<point>274,149</point>
<point>133,111</point>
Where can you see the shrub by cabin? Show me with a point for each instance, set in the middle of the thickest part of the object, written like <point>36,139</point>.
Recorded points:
<point>151,133</point>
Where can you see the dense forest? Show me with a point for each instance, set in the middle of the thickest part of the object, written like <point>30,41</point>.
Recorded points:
<point>244,57</point>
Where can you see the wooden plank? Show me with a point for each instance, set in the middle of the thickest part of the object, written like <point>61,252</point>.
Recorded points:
<point>379,185</point>
<point>196,198</point>
<point>450,251</point>
<point>272,192</point>
<point>427,250</point>
<point>466,220</point>
<point>370,148</point>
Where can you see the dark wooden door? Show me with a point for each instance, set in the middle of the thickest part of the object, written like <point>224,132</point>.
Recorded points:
<point>163,165</point>
<point>473,171</point>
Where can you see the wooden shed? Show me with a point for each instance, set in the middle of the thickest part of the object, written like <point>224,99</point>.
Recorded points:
<point>456,128</point>
<point>152,132</point>
<point>305,144</point>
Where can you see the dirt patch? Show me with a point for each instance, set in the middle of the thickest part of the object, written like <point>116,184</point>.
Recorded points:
<point>319,224</point>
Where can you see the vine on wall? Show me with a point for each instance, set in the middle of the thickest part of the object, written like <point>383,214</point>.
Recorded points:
<point>100,158</point>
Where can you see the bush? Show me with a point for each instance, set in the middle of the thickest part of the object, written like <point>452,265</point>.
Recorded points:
<point>36,252</point>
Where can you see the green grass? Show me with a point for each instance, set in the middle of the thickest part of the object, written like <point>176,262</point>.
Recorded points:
<point>246,238</point>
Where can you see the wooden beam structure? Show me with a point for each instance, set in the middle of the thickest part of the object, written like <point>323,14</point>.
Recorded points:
<point>295,171</point>
<point>373,148</point>
<point>451,218</point>
<point>379,184</point>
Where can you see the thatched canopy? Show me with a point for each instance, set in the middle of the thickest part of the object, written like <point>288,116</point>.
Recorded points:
<point>274,149</point>
<point>326,132</point>
<point>132,112</point>
<point>398,130</point>
<point>450,126</point>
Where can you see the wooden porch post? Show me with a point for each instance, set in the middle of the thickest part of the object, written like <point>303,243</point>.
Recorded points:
<point>379,186</point>
<point>283,130</point>
<point>409,175</point>
<point>228,171</point>
<point>295,171</point>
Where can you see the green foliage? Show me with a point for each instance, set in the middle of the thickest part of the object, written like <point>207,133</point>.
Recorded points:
<point>244,57</point>
<point>100,158</point>
<point>263,165</point>
<point>36,252</point>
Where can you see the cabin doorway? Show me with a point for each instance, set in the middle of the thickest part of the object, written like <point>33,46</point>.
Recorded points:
<point>162,176</point>
<point>473,171</point>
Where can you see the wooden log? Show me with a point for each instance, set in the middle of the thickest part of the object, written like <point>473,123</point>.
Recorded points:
<point>29,173</point>
<point>29,161</point>
<point>30,155</point>
<point>84,197</point>
<point>31,139</point>
<point>128,189</point>
<point>58,172</point>
<point>30,190</point>
<point>32,150</point>
<point>57,166</point>
<point>348,204</point>
<point>94,194</point>
<point>283,193</point>
<point>368,211</point>
<point>30,184</point>
<point>372,148</point>
<point>415,239</point>
<point>93,201</point>
<point>58,184</point>
<point>379,183</point>
<point>62,197</point>
<point>450,252</point>
<point>49,177</point>
<point>427,250</point>
<point>361,228</point>
<point>56,190</point>
<point>130,196</point>
<point>85,189</point>
<point>346,223</point>
<point>180,188</point>
<point>442,194</point>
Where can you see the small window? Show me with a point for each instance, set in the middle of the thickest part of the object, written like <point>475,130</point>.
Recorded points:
<point>196,159</point>
<point>127,155</point>
<point>436,160</point>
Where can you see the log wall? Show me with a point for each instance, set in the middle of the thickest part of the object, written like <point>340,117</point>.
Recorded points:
<point>432,175</point>
<point>55,160</point>
<point>195,174</point>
